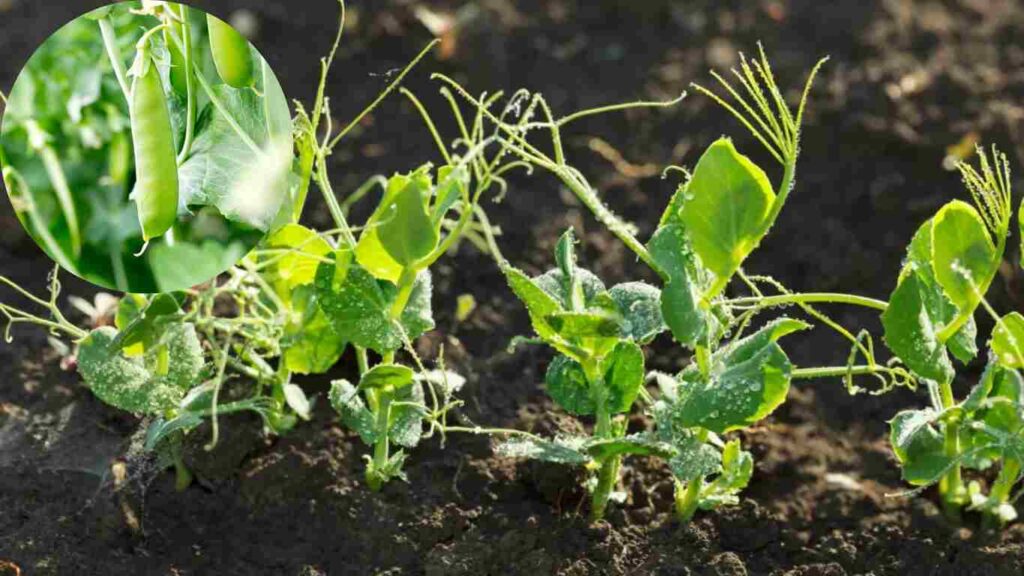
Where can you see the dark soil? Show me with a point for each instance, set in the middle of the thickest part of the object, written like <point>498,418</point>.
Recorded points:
<point>906,80</point>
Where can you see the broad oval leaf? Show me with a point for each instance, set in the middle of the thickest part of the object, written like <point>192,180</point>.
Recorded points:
<point>129,383</point>
<point>359,306</point>
<point>623,372</point>
<point>640,307</point>
<point>406,421</point>
<point>309,344</point>
<point>727,204</point>
<point>295,254</point>
<point>346,401</point>
<point>386,376</point>
<point>1008,340</point>
<point>559,451</point>
<point>405,229</point>
<point>918,446</point>
<point>963,256</point>
<point>748,380</point>
<point>680,298</point>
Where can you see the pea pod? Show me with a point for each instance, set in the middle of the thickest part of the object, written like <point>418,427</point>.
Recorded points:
<point>231,54</point>
<point>156,167</point>
<point>179,71</point>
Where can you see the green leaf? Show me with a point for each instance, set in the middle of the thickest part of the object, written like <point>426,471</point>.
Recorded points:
<point>359,306</point>
<point>555,284</point>
<point>452,185</point>
<point>623,376</point>
<point>559,451</point>
<point>1008,340</point>
<point>911,333</point>
<point>141,320</point>
<point>636,444</point>
<point>694,459</point>
<point>406,422</point>
<point>149,384</point>
<point>309,344</point>
<point>297,252</point>
<point>748,380</point>
<point>346,401</point>
<point>405,229</point>
<point>640,307</point>
<point>588,324</point>
<point>919,310</point>
<point>726,208</point>
<point>918,446</point>
<point>680,298</point>
<point>386,375</point>
<point>224,172</point>
<point>963,256</point>
<point>370,251</point>
<point>185,264</point>
<point>737,469</point>
<point>539,303</point>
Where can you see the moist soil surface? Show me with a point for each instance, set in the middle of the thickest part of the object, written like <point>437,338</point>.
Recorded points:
<point>906,80</point>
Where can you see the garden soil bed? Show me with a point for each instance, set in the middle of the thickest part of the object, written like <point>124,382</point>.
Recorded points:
<point>906,81</point>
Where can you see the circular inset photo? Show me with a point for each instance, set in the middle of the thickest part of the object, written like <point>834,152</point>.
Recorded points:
<point>147,147</point>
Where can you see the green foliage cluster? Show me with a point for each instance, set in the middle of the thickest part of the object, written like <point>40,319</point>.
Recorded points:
<point>298,302</point>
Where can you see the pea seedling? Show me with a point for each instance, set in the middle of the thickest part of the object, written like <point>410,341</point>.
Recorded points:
<point>951,263</point>
<point>737,377</point>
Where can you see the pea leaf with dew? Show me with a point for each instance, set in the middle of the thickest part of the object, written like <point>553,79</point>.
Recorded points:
<point>736,470</point>
<point>919,310</point>
<point>918,445</point>
<point>1008,340</point>
<point>726,210</point>
<point>559,451</point>
<point>345,399</point>
<point>639,306</point>
<point>407,413</point>
<point>359,305</point>
<point>386,376</point>
<point>146,384</point>
<point>748,380</point>
<point>963,256</point>
<point>623,374</point>
<point>681,309</point>
<point>309,344</point>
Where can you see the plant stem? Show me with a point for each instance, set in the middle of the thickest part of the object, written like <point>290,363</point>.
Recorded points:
<point>809,298</point>
<point>607,477</point>
<point>182,476</point>
<point>406,283</point>
<point>374,476</point>
<point>1008,476</point>
<point>687,499</point>
<point>190,111</point>
<point>834,371</point>
<point>114,55</point>
<point>951,486</point>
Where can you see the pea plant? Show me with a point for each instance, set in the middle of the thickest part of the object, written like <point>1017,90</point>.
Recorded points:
<point>950,265</point>
<point>738,373</point>
<point>173,161</point>
<point>292,306</point>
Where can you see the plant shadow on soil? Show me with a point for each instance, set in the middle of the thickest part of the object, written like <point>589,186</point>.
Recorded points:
<point>903,84</point>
